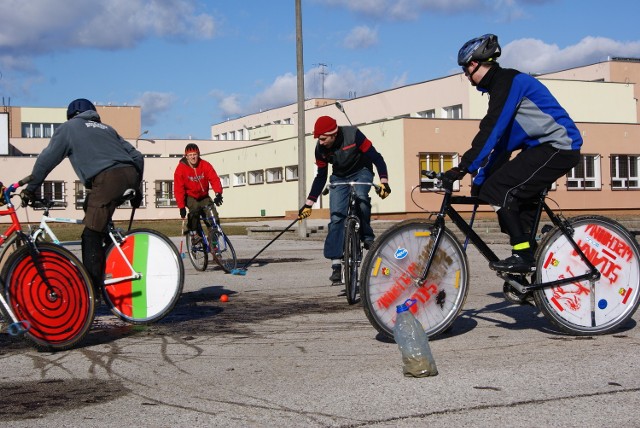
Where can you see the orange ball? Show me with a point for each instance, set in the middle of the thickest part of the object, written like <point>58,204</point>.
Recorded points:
<point>224,298</point>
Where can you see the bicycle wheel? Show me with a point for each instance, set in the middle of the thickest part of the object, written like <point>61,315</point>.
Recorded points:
<point>351,257</point>
<point>581,308</point>
<point>197,252</point>
<point>153,295</point>
<point>52,292</point>
<point>391,268</point>
<point>222,250</point>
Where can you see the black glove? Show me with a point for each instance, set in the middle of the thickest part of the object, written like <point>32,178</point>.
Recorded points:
<point>218,200</point>
<point>383,190</point>
<point>304,212</point>
<point>451,176</point>
<point>137,198</point>
<point>183,212</point>
<point>27,197</point>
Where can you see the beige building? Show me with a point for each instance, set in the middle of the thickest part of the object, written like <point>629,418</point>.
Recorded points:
<point>421,126</point>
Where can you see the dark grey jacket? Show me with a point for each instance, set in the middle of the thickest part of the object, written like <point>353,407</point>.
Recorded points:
<point>91,147</point>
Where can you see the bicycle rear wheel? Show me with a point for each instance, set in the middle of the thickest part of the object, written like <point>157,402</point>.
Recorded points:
<point>391,269</point>
<point>222,250</point>
<point>52,293</point>
<point>155,293</point>
<point>197,252</point>
<point>580,308</point>
<point>351,256</point>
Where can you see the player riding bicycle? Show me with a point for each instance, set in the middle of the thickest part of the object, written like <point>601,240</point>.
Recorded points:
<point>352,156</point>
<point>522,115</point>
<point>191,181</point>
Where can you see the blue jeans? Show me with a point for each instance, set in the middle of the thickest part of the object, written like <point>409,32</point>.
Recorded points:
<point>338,206</point>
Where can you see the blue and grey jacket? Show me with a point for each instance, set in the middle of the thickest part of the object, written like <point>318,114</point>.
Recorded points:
<point>522,113</point>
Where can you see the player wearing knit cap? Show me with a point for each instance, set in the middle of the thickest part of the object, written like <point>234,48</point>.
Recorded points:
<point>352,157</point>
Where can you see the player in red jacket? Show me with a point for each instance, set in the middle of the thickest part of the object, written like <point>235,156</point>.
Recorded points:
<point>191,181</point>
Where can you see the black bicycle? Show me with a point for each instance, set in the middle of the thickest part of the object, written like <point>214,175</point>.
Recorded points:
<point>210,239</point>
<point>585,281</point>
<point>353,249</point>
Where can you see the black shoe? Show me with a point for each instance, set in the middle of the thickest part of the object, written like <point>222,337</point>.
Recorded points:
<point>368,244</point>
<point>514,264</point>
<point>196,239</point>
<point>336,274</point>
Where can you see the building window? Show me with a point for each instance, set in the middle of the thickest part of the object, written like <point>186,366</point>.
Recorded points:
<point>164,194</point>
<point>224,180</point>
<point>427,114</point>
<point>127,204</point>
<point>239,179</point>
<point>79,195</point>
<point>452,112</point>
<point>54,191</point>
<point>438,162</point>
<point>39,130</point>
<point>291,173</point>
<point>274,175</point>
<point>624,171</point>
<point>586,175</point>
<point>256,177</point>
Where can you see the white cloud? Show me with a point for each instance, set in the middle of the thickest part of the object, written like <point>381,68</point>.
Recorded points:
<point>408,9</point>
<point>342,83</point>
<point>43,26</point>
<point>154,104</point>
<point>536,56</point>
<point>361,37</point>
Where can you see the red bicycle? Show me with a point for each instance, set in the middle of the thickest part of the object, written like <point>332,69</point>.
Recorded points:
<point>46,293</point>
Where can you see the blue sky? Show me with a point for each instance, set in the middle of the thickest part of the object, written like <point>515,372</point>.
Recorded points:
<point>193,63</point>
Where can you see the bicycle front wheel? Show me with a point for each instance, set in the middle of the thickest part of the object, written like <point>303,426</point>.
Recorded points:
<point>197,252</point>
<point>154,294</point>
<point>222,250</point>
<point>390,273</point>
<point>50,293</point>
<point>351,256</point>
<point>582,308</point>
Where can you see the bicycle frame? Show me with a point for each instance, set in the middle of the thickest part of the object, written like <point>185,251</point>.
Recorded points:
<point>114,234</point>
<point>447,209</point>
<point>209,219</point>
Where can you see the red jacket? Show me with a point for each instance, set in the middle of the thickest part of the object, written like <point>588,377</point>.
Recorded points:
<point>194,182</point>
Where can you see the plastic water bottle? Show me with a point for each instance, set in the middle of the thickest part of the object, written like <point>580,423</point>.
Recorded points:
<point>413,343</point>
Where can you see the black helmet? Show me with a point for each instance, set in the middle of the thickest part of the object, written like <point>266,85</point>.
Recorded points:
<point>78,106</point>
<point>481,49</point>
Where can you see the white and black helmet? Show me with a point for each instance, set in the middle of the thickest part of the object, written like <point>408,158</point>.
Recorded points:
<point>481,49</point>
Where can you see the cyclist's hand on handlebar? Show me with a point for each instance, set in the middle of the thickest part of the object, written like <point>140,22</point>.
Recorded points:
<point>451,176</point>
<point>304,212</point>
<point>183,212</point>
<point>383,190</point>
<point>27,197</point>
<point>218,200</point>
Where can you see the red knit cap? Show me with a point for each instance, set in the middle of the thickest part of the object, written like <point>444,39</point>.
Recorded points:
<point>325,125</point>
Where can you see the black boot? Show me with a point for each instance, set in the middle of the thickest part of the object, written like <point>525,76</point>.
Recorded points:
<point>93,259</point>
<point>519,262</point>
<point>336,274</point>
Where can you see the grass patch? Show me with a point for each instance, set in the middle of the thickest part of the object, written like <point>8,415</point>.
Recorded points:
<point>72,232</point>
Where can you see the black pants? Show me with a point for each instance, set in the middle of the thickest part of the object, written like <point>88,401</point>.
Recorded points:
<point>513,185</point>
<point>101,202</point>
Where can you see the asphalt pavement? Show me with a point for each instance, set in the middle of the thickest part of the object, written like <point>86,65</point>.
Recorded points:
<point>287,350</point>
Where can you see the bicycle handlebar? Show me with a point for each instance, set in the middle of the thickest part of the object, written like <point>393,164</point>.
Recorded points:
<point>13,187</point>
<point>348,183</point>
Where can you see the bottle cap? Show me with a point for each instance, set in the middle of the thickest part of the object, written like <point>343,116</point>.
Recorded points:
<point>406,305</point>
